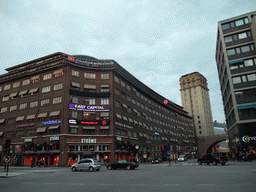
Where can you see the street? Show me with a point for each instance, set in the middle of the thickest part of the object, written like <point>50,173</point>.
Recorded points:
<point>183,176</point>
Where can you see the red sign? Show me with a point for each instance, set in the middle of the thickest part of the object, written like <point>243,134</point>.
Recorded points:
<point>72,59</point>
<point>165,101</point>
<point>104,122</point>
<point>26,125</point>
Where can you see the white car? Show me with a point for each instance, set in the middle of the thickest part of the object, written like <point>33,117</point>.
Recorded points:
<point>182,158</point>
<point>88,164</point>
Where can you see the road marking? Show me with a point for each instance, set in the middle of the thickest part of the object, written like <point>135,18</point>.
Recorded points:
<point>77,184</point>
<point>51,183</point>
<point>27,182</point>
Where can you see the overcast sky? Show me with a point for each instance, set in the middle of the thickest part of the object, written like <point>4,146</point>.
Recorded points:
<point>156,41</point>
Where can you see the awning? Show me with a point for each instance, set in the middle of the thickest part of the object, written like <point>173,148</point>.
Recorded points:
<point>140,123</point>
<point>21,118</point>
<point>89,86</point>
<point>23,92</point>
<point>235,62</point>
<point>40,115</point>
<point>33,90</point>
<point>35,77</point>
<point>104,86</point>
<point>13,94</point>
<point>125,106</point>
<point>140,134</point>
<point>104,127</point>
<point>41,130</point>
<point>54,113</point>
<point>125,118</point>
<point>118,116</point>
<point>73,126</point>
<point>246,107</point>
<point>144,134</point>
<point>135,122</point>
<point>74,84</point>
<point>2,120</point>
<point>135,110</point>
<point>130,120</point>
<point>144,114</point>
<point>88,127</point>
<point>58,71</point>
<point>144,125</point>
<point>104,114</point>
<point>1,133</point>
<point>54,127</point>
<point>31,116</point>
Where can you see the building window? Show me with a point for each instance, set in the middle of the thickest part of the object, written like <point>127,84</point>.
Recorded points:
<point>23,106</point>
<point>89,116</point>
<point>105,76</point>
<point>16,84</point>
<point>74,114</point>
<point>74,99</point>
<point>7,87</point>
<point>89,101</point>
<point>200,132</point>
<point>13,108</point>
<point>6,98</point>
<point>128,87</point>
<point>19,133</point>
<point>58,73</point>
<point>35,79</point>
<point>47,76</point>
<point>116,79</point>
<point>239,50</point>
<point>33,104</point>
<point>104,115</point>
<point>117,91</point>
<point>26,82</point>
<point>73,130</point>
<point>89,75</point>
<point>45,102</point>
<point>104,101</point>
<point>90,88</point>
<point>251,77</point>
<point>31,132</point>
<point>104,88</point>
<point>11,121</point>
<point>104,131</point>
<point>56,100</point>
<point>58,86</point>
<point>4,109</point>
<point>89,131</point>
<point>46,89</point>
<point>75,73</point>
<point>236,80</point>
<point>117,104</point>
<point>75,85</point>
<point>237,23</point>
<point>123,83</point>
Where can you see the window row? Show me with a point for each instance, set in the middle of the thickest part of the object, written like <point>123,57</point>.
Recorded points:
<point>89,101</point>
<point>89,88</point>
<point>89,115</point>
<point>238,36</point>
<point>88,75</point>
<point>239,50</point>
<point>236,23</point>
<point>245,63</point>
<point>33,104</point>
<point>89,130</point>
<point>244,78</point>
<point>34,79</point>
<point>33,91</point>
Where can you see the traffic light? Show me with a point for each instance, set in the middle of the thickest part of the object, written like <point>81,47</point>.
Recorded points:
<point>7,145</point>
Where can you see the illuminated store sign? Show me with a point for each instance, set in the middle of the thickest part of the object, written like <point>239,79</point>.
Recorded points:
<point>156,133</point>
<point>28,140</point>
<point>247,139</point>
<point>51,122</point>
<point>26,125</point>
<point>81,122</point>
<point>88,107</point>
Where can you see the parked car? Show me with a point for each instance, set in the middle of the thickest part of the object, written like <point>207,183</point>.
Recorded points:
<point>88,164</point>
<point>214,158</point>
<point>122,164</point>
<point>182,158</point>
<point>158,160</point>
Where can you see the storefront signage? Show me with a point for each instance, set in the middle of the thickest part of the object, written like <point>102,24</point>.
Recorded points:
<point>247,139</point>
<point>51,122</point>
<point>88,140</point>
<point>88,107</point>
<point>28,140</point>
<point>156,133</point>
<point>25,125</point>
<point>80,122</point>
<point>54,138</point>
<point>91,62</point>
<point>123,125</point>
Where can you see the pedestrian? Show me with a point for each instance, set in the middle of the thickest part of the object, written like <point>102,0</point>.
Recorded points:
<point>234,158</point>
<point>4,163</point>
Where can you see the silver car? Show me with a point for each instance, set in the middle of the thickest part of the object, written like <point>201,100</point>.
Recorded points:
<point>86,164</point>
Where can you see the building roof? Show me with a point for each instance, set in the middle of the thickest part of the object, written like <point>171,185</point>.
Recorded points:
<point>85,57</point>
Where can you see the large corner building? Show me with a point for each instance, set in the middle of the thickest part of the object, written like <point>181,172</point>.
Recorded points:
<point>62,108</point>
<point>195,99</point>
<point>236,63</point>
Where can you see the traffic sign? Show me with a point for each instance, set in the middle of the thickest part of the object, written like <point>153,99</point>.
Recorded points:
<point>168,152</point>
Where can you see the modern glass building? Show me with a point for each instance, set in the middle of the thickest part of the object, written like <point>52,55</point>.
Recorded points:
<point>236,63</point>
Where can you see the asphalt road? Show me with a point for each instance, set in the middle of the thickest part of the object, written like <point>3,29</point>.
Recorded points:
<point>184,176</point>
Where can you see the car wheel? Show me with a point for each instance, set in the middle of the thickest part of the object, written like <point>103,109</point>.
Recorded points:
<point>109,167</point>
<point>222,163</point>
<point>91,169</point>
<point>214,162</point>
<point>200,162</point>
<point>74,169</point>
<point>128,167</point>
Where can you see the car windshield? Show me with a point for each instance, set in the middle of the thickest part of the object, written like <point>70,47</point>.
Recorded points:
<point>181,156</point>
<point>122,161</point>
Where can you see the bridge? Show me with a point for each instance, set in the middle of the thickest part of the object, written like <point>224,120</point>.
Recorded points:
<point>206,143</point>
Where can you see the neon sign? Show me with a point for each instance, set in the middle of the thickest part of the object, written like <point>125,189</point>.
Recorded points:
<point>51,122</point>
<point>81,122</point>
<point>88,107</point>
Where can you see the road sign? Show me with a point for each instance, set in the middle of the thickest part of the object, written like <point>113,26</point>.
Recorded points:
<point>168,152</point>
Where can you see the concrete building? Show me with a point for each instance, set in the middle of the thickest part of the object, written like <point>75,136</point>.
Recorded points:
<point>62,108</point>
<point>236,63</point>
<point>195,99</point>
